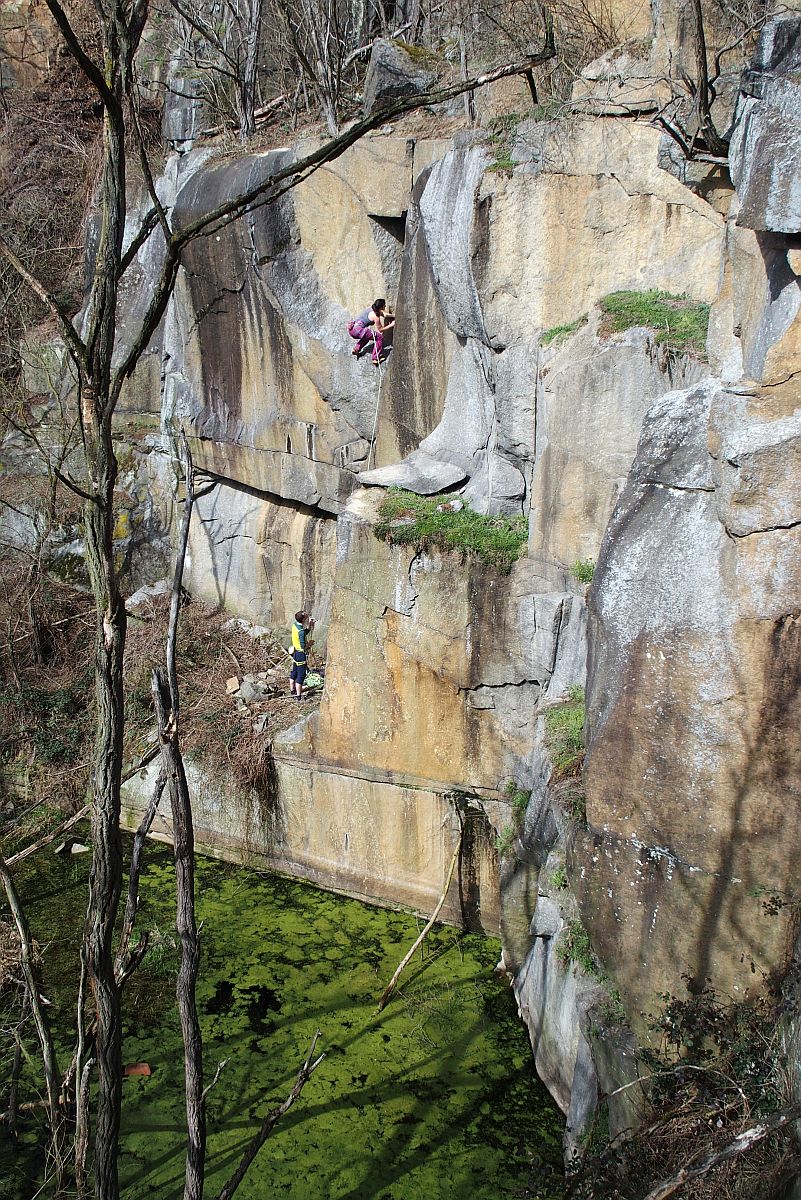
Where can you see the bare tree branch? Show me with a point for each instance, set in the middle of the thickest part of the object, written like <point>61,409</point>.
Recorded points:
<point>74,343</point>
<point>165,698</point>
<point>90,70</point>
<point>132,901</point>
<point>271,1120</point>
<point>47,1046</point>
<point>294,173</point>
<point>390,988</point>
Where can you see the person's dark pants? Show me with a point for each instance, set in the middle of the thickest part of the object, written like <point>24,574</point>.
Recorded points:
<point>298,673</point>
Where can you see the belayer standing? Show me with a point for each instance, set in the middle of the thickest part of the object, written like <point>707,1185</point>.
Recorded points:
<point>369,328</point>
<point>302,627</point>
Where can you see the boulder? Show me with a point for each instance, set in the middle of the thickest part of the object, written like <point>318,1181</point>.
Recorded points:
<point>395,72</point>
<point>621,82</point>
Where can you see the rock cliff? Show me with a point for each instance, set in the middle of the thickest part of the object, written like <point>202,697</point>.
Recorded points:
<point>676,473</point>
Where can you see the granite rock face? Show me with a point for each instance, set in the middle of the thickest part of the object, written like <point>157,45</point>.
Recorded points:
<point>593,394</point>
<point>765,154</point>
<point>436,668</point>
<point>483,272</point>
<point>253,362</point>
<point>694,683</point>
<point>680,479</point>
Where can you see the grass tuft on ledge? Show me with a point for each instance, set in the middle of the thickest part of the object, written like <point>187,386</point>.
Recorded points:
<point>406,519</point>
<point>680,324</point>
<point>558,332</point>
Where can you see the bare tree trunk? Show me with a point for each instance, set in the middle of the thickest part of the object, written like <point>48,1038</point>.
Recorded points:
<point>95,406</point>
<point>165,697</point>
<point>13,1089</point>
<point>184,848</point>
<point>82,1128</point>
<point>248,80</point>
<point>132,902</point>
<point>105,884</point>
<point>706,126</point>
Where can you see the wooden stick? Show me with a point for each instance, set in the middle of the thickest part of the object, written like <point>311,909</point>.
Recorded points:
<point>390,988</point>
<point>48,838</point>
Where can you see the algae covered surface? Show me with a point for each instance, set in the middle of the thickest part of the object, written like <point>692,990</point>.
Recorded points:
<point>436,1097</point>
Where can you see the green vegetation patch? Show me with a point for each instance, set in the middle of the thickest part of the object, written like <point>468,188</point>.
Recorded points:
<point>424,56</point>
<point>502,131</point>
<point>52,720</point>
<point>518,798</point>
<point>583,570</point>
<point>559,878</point>
<point>574,947</point>
<point>561,331</point>
<point>564,734</point>
<point>430,523</point>
<point>679,323</point>
<point>435,1098</point>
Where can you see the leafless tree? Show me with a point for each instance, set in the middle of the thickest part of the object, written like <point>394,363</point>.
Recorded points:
<point>222,41</point>
<point>731,30</point>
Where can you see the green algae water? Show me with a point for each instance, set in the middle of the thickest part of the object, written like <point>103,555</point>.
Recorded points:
<point>435,1098</point>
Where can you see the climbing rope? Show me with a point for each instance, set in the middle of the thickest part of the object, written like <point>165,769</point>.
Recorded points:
<point>378,399</point>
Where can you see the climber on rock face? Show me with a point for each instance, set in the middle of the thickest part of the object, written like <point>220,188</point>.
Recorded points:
<point>301,630</point>
<point>369,329</point>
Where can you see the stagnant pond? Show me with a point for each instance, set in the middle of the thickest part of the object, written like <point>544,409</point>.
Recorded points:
<point>434,1098</point>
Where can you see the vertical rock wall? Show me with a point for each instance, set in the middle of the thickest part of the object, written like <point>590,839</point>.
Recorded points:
<point>680,478</point>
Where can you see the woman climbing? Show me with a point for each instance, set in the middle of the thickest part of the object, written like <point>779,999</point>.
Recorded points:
<point>369,328</point>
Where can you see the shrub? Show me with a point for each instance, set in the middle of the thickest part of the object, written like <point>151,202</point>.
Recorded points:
<point>715,1068</point>
<point>583,570</point>
<point>54,720</point>
<point>611,1010</point>
<point>411,520</point>
<point>505,839</point>
<point>518,798</point>
<point>559,878</point>
<point>574,947</point>
<point>680,324</point>
<point>564,734</point>
<point>502,132</point>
